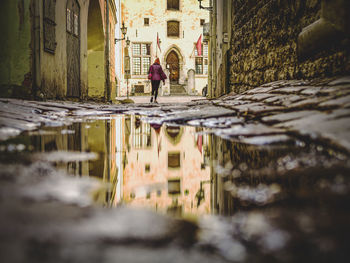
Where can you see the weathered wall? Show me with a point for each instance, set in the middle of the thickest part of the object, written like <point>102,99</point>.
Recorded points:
<point>96,69</point>
<point>53,66</point>
<point>264,44</point>
<point>15,54</point>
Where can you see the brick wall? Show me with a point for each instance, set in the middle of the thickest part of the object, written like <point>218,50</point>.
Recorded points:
<point>264,44</point>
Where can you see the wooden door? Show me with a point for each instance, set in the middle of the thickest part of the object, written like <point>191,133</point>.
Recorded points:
<point>73,48</point>
<point>172,62</point>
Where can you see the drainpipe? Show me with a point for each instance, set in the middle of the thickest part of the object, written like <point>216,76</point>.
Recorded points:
<point>36,49</point>
<point>108,86</point>
<point>214,49</point>
<point>334,25</point>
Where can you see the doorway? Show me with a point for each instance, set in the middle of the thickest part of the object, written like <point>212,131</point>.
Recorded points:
<point>73,48</point>
<point>173,65</point>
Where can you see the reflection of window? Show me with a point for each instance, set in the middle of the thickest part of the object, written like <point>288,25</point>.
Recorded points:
<point>141,58</point>
<point>174,160</point>
<point>142,136</point>
<point>173,4</point>
<point>173,29</point>
<point>147,135</point>
<point>174,186</point>
<point>202,61</point>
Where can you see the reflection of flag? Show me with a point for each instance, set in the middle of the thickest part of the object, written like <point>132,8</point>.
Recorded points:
<point>200,142</point>
<point>159,146</point>
<point>199,45</point>
<point>158,43</point>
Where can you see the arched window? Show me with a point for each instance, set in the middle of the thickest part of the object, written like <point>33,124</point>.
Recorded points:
<point>173,4</point>
<point>173,29</point>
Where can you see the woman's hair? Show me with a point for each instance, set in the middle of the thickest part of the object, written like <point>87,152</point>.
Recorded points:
<point>157,61</point>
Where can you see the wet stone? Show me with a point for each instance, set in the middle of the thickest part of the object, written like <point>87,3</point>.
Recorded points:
<point>260,97</point>
<point>256,108</point>
<point>308,103</point>
<point>288,116</point>
<point>248,130</point>
<point>338,102</point>
<point>335,90</point>
<point>289,90</point>
<point>324,126</point>
<point>267,140</point>
<point>343,80</point>
<point>221,122</point>
<point>260,90</point>
<point>310,91</point>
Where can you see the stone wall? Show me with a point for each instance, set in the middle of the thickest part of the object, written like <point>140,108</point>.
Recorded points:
<point>264,44</point>
<point>15,55</point>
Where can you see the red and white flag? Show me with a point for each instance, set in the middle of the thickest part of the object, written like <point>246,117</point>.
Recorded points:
<point>158,43</point>
<point>199,45</point>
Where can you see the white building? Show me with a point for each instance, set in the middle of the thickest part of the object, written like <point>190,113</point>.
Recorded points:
<point>179,24</point>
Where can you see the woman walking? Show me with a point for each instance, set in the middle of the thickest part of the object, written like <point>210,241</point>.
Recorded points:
<point>156,74</point>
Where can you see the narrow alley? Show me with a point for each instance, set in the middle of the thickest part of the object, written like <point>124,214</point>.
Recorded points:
<point>174,131</point>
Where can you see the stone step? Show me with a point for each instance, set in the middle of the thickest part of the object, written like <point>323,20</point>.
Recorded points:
<point>177,89</point>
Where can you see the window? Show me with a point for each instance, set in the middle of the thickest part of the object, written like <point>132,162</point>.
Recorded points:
<point>173,4</point>
<point>69,21</point>
<point>141,58</point>
<point>202,61</point>
<point>139,88</point>
<point>49,24</point>
<point>146,21</point>
<point>76,24</point>
<point>202,22</point>
<point>173,29</point>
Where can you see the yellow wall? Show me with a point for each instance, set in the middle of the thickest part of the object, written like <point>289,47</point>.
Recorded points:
<point>15,54</point>
<point>96,77</point>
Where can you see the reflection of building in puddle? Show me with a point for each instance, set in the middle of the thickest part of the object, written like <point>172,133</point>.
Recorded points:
<point>164,168</point>
<point>100,137</point>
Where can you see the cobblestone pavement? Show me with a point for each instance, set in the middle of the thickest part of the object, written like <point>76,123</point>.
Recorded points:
<point>163,99</point>
<point>43,220</point>
<point>319,110</point>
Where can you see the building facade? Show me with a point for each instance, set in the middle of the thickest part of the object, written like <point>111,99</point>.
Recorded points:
<point>177,24</point>
<point>165,168</point>
<point>57,49</point>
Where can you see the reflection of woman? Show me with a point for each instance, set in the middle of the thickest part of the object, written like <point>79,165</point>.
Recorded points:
<point>156,74</point>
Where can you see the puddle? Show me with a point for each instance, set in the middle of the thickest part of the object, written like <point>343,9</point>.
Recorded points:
<point>162,168</point>
<point>183,171</point>
<point>249,199</point>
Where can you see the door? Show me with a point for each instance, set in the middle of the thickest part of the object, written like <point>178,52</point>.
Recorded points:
<point>73,48</point>
<point>172,62</point>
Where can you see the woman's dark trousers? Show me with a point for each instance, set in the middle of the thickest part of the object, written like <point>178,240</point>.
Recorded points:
<point>155,87</point>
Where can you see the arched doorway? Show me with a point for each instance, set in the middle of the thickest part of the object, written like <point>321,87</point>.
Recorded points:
<point>173,65</point>
<point>73,48</point>
<point>96,51</point>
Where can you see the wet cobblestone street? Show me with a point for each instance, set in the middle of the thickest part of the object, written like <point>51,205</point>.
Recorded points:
<point>261,176</point>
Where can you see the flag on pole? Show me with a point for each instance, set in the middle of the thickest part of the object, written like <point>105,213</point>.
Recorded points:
<point>199,45</point>
<point>158,42</point>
